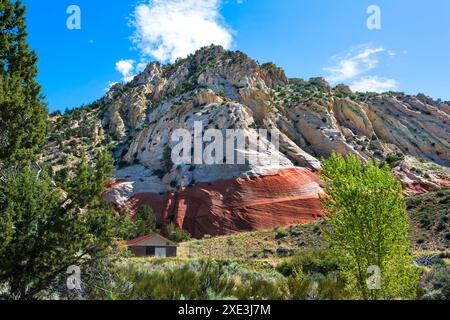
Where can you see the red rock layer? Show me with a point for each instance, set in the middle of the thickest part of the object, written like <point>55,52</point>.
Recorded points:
<point>417,188</point>
<point>289,197</point>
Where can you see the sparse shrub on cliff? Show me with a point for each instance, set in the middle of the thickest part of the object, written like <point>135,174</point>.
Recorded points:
<point>222,94</point>
<point>167,159</point>
<point>394,159</point>
<point>174,184</point>
<point>431,213</point>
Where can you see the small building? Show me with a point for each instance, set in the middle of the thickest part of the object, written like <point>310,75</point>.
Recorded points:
<point>153,245</point>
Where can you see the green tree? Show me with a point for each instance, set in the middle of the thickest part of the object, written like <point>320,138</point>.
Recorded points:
<point>90,182</point>
<point>368,226</point>
<point>145,221</point>
<point>176,234</point>
<point>23,115</point>
<point>141,224</point>
<point>44,231</point>
<point>125,225</point>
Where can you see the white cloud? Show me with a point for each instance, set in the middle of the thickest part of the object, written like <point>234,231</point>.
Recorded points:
<point>126,67</point>
<point>129,78</point>
<point>354,63</point>
<point>169,29</point>
<point>392,53</point>
<point>354,68</point>
<point>373,84</point>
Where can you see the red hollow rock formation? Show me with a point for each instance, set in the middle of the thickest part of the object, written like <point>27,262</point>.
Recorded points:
<point>289,197</point>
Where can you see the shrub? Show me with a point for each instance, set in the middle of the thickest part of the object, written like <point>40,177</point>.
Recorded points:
<point>255,286</point>
<point>192,281</point>
<point>145,221</point>
<point>435,285</point>
<point>299,285</point>
<point>176,234</point>
<point>330,287</point>
<point>314,274</point>
<point>167,159</point>
<point>173,183</point>
<point>394,159</point>
<point>281,233</point>
<point>310,261</point>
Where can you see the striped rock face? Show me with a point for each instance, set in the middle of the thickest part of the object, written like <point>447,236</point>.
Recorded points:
<point>226,196</point>
<point>284,197</point>
<point>280,189</point>
<point>214,93</point>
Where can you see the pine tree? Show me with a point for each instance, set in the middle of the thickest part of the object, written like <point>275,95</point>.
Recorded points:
<point>43,231</point>
<point>145,221</point>
<point>23,115</point>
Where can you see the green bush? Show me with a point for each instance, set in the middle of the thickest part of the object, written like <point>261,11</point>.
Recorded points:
<point>281,233</point>
<point>314,274</point>
<point>299,285</point>
<point>394,159</point>
<point>145,221</point>
<point>176,234</point>
<point>435,284</point>
<point>201,280</point>
<point>310,261</point>
<point>258,287</point>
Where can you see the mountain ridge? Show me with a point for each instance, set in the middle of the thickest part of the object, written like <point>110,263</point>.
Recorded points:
<point>228,90</point>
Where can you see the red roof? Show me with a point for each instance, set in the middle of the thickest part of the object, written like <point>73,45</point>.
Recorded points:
<point>143,238</point>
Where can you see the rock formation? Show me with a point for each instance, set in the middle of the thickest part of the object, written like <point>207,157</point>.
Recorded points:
<point>227,90</point>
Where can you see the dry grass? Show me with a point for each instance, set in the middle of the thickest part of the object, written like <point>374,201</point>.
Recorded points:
<point>267,247</point>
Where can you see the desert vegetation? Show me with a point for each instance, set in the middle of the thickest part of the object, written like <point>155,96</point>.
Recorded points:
<point>54,168</point>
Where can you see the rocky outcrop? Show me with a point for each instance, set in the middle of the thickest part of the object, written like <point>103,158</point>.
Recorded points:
<point>415,126</point>
<point>227,91</point>
<point>283,198</point>
<point>125,109</point>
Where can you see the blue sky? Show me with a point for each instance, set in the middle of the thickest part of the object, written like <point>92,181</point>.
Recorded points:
<point>306,37</point>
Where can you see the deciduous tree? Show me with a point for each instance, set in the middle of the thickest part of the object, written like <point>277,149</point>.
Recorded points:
<point>369,227</point>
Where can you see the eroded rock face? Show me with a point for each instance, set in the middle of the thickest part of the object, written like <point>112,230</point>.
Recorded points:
<point>125,110</point>
<point>415,125</point>
<point>282,198</point>
<point>228,90</point>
